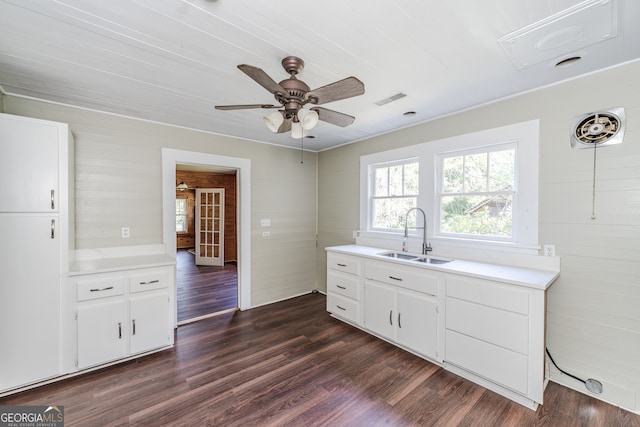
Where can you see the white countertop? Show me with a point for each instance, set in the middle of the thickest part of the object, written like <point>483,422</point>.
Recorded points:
<point>529,277</point>
<point>103,265</point>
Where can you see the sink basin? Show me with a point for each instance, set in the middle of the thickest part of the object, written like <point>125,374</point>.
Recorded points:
<point>397,255</point>
<point>415,258</point>
<point>429,260</point>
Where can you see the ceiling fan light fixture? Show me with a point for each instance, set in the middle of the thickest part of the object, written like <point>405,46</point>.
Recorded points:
<point>274,120</point>
<point>308,118</point>
<point>297,131</point>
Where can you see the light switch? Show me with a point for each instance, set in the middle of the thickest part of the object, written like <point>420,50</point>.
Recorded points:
<point>265,222</point>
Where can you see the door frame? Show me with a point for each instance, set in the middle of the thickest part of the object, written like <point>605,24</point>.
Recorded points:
<point>170,159</point>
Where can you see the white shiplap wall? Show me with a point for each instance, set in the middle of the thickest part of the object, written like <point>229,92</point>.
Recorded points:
<point>593,310</point>
<point>118,184</point>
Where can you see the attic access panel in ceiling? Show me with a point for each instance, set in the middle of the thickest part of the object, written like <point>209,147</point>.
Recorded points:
<point>583,25</point>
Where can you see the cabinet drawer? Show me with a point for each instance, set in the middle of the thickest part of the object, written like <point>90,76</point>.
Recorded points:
<point>343,284</point>
<point>100,288</point>
<point>342,307</point>
<point>489,293</point>
<point>345,263</point>
<point>489,361</point>
<point>148,280</point>
<point>413,278</point>
<point>499,327</point>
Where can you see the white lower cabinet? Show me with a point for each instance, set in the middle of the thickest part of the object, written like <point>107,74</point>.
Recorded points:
<point>495,331</point>
<point>488,331</point>
<point>101,332</point>
<point>394,310</point>
<point>121,314</point>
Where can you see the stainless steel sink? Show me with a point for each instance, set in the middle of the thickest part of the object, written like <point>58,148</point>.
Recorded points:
<point>398,255</point>
<point>415,258</point>
<point>430,260</point>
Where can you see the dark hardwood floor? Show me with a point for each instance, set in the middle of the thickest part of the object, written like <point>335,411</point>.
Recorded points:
<point>203,290</point>
<point>290,364</point>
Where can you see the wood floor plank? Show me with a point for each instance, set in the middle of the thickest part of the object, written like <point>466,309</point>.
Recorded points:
<point>291,364</point>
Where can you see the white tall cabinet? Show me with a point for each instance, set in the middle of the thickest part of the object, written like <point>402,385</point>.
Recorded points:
<point>36,196</point>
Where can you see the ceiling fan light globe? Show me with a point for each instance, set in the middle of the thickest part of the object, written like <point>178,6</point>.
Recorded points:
<point>297,132</point>
<point>273,121</point>
<point>308,119</point>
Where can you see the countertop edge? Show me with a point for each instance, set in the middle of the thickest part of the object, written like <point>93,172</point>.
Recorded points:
<point>527,277</point>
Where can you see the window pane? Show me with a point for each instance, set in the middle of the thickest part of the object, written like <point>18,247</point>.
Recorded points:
<point>181,224</point>
<point>389,213</point>
<point>381,179</point>
<point>477,215</point>
<point>395,181</point>
<point>411,179</point>
<point>502,167</point>
<point>475,172</point>
<point>452,175</point>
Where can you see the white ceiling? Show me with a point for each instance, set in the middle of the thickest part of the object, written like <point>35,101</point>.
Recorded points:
<point>172,61</point>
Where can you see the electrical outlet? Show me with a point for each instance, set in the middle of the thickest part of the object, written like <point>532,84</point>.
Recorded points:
<point>549,250</point>
<point>126,232</point>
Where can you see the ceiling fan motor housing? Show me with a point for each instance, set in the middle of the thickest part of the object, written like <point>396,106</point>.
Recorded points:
<point>598,128</point>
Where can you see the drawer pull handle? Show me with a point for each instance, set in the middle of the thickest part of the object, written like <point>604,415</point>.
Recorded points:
<point>134,326</point>
<point>149,282</point>
<point>108,288</point>
<point>342,265</point>
<point>119,330</point>
<point>53,228</point>
<point>395,278</point>
<point>341,308</point>
<point>399,324</point>
<point>390,317</point>
<point>53,199</point>
<point>341,287</point>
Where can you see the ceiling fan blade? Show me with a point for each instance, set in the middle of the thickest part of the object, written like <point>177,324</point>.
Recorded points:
<point>342,89</point>
<point>245,107</point>
<point>333,117</point>
<point>285,126</point>
<point>262,79</point>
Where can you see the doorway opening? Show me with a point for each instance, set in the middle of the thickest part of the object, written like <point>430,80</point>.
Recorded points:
<point>206,241</point>
<point>171,158</point>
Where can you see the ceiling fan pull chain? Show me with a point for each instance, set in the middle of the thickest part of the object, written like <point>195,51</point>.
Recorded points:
<point>593,196</point>
<point>302,149</point>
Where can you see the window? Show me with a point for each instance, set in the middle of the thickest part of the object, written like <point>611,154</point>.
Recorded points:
<point>476,192</point>
<point>394,189</point>
<point>181,216</point>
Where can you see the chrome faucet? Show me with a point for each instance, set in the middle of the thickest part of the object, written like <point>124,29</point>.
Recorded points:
<point>425,246</point>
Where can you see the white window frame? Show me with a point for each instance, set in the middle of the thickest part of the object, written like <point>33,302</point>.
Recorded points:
<point>372,184</point>
<point>510,145</point>
<point>524,134</point>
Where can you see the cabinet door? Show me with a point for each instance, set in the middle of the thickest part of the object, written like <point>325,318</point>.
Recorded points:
<point>380,314</point>
<point>28,165</point>
<point>418,323</point>
<point>149,321</point>
<point>101,332</point>
<point>29,300</point>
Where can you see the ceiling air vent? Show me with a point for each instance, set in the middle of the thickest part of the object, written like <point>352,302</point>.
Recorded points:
<point>600,128</point>
<point>390,99</point>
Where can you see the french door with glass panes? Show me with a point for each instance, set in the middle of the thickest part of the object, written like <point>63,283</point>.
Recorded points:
<point>210,226</point>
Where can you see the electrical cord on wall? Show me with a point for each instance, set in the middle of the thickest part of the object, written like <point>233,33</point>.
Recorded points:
<point>592,385</point>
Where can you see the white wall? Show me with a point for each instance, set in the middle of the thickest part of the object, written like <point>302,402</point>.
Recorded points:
<point>593,310</point>
<point>119,183</point>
